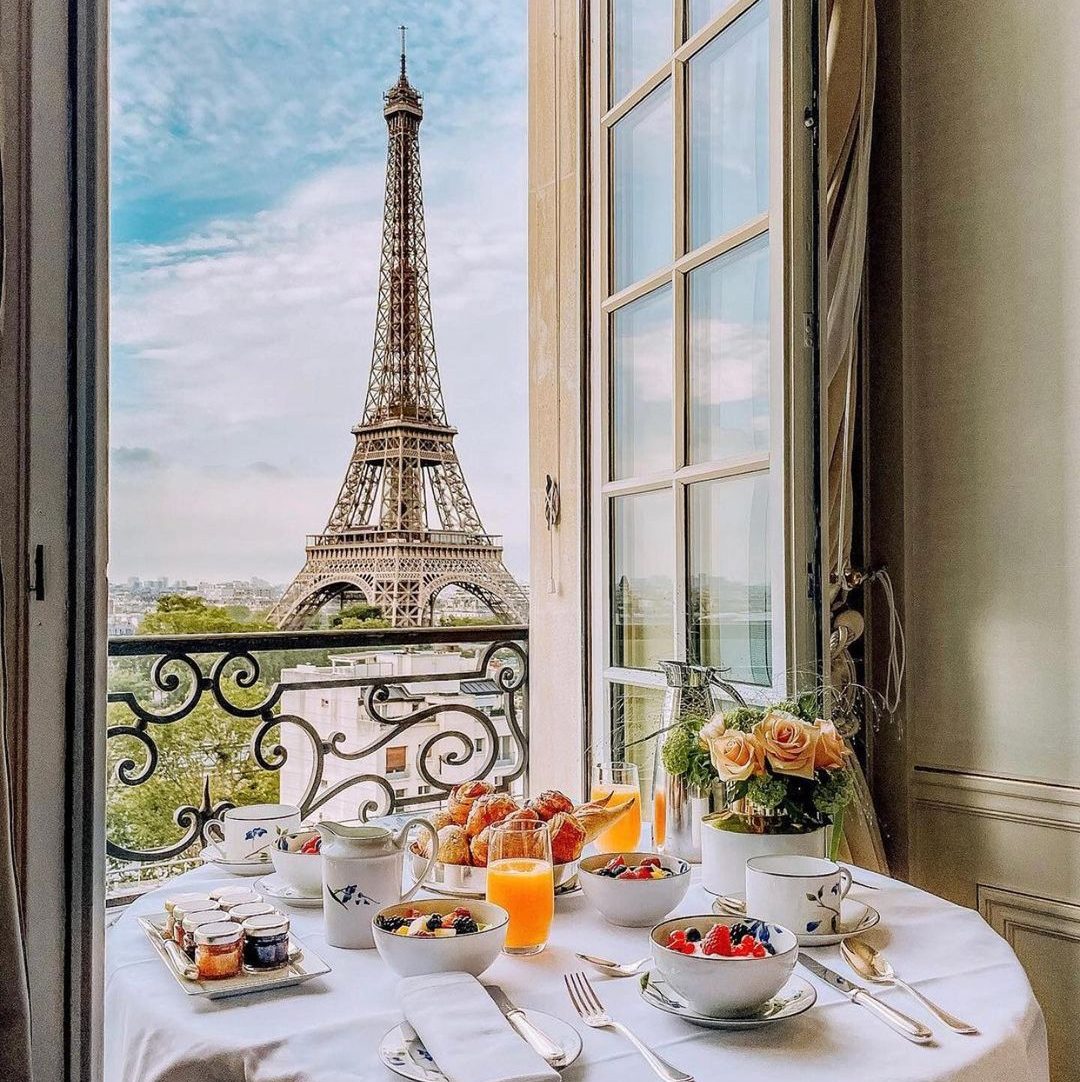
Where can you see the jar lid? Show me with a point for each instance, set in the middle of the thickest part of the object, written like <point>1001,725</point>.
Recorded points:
<point>238,896</point>
<point>266,924</point>
<point>197,905</point>
<point>179,899</point>
<point>222,894</point>
<point>250,909</point>
<point>204,916</point>
<point>219,934</point>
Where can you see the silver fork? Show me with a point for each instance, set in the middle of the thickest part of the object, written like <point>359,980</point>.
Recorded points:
<point>592,1013</point>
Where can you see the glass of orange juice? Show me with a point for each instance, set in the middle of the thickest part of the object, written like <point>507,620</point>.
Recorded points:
<point>621,779</point>
<point>520,878</point>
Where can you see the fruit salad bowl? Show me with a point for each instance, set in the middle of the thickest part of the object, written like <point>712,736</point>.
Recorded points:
<point>703,963</point>
<point>637,897</point>
<point>298,861</point>
<point>440,936</point>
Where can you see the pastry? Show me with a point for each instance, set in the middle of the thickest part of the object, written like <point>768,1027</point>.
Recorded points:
<point>550,802</point>
<point>489,809</point>
<point>597,815</point>
<point>522,815</point>
<point>463,796</point>
<point>453,845</point>
<point>441,818</point>
<point>567,838</point>
<point>478,848</point>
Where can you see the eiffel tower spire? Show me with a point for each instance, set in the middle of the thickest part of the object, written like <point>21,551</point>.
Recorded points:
<point>404,525</point>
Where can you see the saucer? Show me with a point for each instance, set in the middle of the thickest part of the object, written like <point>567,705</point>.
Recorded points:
<point>274,886</point>
<point>796,996</point>
<point>402,1051</point>
<point>212,855</point>
<point>855,918</point>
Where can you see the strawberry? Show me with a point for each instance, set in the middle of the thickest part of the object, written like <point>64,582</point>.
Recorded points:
<point>651,862</point>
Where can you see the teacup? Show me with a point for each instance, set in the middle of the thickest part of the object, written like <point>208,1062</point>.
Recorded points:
<point>801,893</point>
<point>247,833</point>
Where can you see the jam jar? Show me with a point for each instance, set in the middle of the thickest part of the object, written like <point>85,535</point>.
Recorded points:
<point>219,950</point>
<point>230,897</point>
<point>266,942</point>
<point>179,900</point>
<point>182,910</point>
<point>193,921</point>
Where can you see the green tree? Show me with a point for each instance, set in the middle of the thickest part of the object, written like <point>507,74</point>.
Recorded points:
<point>470,621</point>
<point>182,614</point>
<point>358,615</point>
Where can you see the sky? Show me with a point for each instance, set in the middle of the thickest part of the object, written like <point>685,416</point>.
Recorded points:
<point>248,154</point>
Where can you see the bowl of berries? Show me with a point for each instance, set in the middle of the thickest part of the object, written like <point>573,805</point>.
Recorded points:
<point>437,936</point>
<point>724,966</point>
<point>297,859</point>
<point>634,890</point>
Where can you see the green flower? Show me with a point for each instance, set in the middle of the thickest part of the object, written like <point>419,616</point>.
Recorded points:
<point>766,792</point>
<point>833,793</point>
<point>743,718</point>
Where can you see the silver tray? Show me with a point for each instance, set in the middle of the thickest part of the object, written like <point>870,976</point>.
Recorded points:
<point>304,964</point>
<point>464,881</point>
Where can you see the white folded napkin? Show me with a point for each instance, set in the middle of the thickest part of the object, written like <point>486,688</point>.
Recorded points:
<point>465,1032</point>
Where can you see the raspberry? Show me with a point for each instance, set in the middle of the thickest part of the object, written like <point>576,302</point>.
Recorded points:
<point>718,940</point>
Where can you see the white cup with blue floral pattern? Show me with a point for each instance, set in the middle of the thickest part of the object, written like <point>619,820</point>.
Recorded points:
<point>247,833</point>
<point>801,893</point>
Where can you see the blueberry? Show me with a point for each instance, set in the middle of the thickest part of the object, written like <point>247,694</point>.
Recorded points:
<point>433,922</point>
<point>692,935</point>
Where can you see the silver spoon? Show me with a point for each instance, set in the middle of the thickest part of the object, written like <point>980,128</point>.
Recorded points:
<point>615,969</point>
<point>871,964</point>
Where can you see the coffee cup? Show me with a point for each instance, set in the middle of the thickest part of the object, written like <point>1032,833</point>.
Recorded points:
<point>801,893</point>
<point>247,833</point>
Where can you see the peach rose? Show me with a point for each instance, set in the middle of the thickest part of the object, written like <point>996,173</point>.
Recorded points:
<point>789,744</point>
<point>831,749</point>
<point>735,755</point>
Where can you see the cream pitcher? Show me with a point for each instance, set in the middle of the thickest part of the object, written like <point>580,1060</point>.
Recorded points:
<point>361,869</point>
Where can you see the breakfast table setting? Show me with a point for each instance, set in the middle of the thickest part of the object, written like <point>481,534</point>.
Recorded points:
<point>352,953</point>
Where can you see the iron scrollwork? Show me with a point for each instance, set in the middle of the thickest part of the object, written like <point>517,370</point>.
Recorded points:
<point>185,670</point>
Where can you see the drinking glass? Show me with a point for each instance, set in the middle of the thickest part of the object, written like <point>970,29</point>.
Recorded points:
<point>624,834</point>
<point>521,879</point>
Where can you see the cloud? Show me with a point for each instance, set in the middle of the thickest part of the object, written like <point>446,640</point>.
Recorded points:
<point>242,342</point>
<point>135,458</point>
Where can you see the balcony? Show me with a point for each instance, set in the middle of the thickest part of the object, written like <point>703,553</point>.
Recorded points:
<point>320,719</point>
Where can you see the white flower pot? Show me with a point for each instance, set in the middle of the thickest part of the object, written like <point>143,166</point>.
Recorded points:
<point>727,844</point>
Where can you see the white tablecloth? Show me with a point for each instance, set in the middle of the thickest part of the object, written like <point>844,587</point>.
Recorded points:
<point>328,1029</point>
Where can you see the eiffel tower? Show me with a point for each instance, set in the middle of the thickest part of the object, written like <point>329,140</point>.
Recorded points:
<point>379,544</point>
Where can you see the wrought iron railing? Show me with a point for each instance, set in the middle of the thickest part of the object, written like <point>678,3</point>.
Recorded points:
<point>227,708</point>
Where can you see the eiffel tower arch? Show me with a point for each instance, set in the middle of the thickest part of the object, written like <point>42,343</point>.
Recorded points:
<point>404,525</point>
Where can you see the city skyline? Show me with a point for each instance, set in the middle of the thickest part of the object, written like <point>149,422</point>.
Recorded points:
<point>245,248</point>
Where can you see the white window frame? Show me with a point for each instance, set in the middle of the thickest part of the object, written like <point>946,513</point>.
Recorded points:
<point>794,466</point>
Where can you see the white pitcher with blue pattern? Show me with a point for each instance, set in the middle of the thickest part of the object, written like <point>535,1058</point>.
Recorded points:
<point>362,872</point>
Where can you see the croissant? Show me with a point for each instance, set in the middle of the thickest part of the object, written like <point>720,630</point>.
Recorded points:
<point>489,809</point>
<point>478,848</point>
<point>462,798</point>
<point>567,838</point>
<point>550,802</point>
<point>597,815</point>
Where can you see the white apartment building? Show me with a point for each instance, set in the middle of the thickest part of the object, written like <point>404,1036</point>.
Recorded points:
<point>340,709</point>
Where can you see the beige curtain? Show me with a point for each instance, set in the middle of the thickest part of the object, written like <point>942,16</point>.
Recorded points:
<point>850,71</point>
<point>14,995</point>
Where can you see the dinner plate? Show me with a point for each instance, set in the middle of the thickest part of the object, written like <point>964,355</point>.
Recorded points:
<point>402,1051</point>
<point>796,996</point>
<point>212,855</point>
<point>855,918</point>
<point>274,886</point>
<point>465,881</point>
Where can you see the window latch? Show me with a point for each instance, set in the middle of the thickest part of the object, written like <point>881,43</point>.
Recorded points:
<point>37,581</point>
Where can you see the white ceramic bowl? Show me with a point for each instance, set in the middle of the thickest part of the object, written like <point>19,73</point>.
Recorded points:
<point>634,903</point>
<point>302,871</point>
<point>409,956</point>
<point>724,987</point>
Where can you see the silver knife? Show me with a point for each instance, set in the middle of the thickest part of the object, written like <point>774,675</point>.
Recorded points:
<point>905,1026</point>
<point>536,1038</point>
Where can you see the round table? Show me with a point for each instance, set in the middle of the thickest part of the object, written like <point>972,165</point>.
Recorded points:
<point>328,1029</point>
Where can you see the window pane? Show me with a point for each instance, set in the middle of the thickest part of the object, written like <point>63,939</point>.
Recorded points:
<point>729,353</point>
<point>641,411</point>
<point>728,573</point>
<point>702,12</point>
<point>729,127</point>
<point>635,713</point>
<point>641,42</point>
<point>642,559</point>
<point>642,188</point>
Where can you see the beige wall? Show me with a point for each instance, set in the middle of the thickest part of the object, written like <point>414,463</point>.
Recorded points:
<point>989,206</point>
